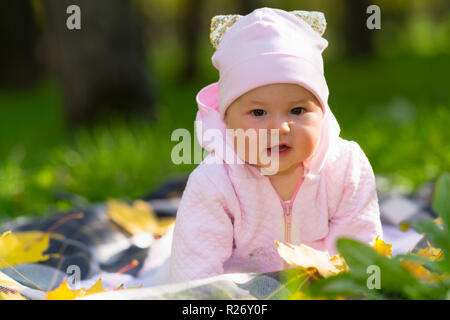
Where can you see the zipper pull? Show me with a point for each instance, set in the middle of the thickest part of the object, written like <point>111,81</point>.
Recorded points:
<point>287,212</point>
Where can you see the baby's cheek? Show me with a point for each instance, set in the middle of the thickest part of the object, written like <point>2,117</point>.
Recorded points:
<point>247,148</point>
<point>308,138</point>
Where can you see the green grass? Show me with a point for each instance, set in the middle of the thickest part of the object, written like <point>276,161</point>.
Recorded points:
<point>397,109</point>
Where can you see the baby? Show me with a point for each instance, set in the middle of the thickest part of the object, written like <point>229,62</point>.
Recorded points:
<point>322,187</point>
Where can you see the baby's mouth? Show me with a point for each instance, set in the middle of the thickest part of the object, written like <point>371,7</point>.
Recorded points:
<point>282,148</point>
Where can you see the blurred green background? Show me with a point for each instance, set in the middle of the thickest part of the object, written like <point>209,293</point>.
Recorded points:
<point>87,115</point>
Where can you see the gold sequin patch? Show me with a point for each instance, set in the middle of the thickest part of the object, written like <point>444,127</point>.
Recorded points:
<point>221,23</point>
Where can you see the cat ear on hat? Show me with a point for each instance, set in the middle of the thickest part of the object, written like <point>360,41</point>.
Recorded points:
<point>221,23</point>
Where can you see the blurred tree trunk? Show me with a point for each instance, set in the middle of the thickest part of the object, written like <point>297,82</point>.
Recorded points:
<point>18,39</point>
<point>189,28</point>
<point>102,67</point>
<point>358,38</point>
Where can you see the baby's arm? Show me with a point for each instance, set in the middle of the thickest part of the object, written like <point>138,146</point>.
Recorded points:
<point>358,214</point>
<point>203,232</point>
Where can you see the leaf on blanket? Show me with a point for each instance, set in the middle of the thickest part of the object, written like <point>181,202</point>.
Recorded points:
<point>138,218</point>
<point>382,248</point>
<point>11,296</point>
<point>122,287</point>
<point>431,253</point>
<point>96,288</point>
<point>63,292</point>
<point>420,272</point>
<point>5,234</point>
<point>23,247</point>
<point>307,257</point>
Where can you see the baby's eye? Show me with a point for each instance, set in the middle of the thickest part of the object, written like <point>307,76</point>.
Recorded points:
<point>298,110</point>
<point>257,112</point>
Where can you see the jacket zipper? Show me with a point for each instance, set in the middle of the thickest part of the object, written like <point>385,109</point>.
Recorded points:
<point>287,209</point>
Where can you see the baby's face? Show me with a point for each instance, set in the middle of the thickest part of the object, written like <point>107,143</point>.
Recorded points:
<point>292,109</point>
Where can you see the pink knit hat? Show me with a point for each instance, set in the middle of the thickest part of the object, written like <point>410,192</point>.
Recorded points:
<point>269,46</point>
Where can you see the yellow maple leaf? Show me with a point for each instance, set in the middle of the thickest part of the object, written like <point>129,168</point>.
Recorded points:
<point>5,234</point>
<point>382,248</point>
<point>339,263</point>
<point>431,253</point>
<point>419,271</point>
<point>11,288</point>
<point>299,295</point>
<point>139,217</point>
<point>96,288</point>
<point>307,257</point>
<point>11,296</point>
<point>23,247</point>
<point>63,292</point>
<point>121,287</point>
<point>404,226</point>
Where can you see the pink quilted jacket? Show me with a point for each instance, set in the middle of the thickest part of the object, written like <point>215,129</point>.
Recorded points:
<point>230,214</point>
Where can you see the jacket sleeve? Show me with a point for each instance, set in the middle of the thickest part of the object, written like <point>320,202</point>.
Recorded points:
<point>358,214</point>
<point>203,232</point>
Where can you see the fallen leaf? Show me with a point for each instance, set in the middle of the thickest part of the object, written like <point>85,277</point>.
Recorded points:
<point>299,295</point>
<point>121,287</point>
<point>382,248</point>
<point>431,253</point>
<point>405,226</point>
<point>11,296</point>
<point>63,292</point>
<point>96,288</point>
<point>23,247</point>
<point>307,257</point>
<point>339,263</point>
<point>139,217</point>
<point>6,283</point>
<point>419,271</point>
<point>5,234</point>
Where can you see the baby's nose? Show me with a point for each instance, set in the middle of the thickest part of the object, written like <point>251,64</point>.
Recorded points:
<point>280,128</point>
<point>283,126</point>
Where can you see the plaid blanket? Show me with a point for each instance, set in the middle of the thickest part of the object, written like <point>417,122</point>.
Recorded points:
<point>94,246</point>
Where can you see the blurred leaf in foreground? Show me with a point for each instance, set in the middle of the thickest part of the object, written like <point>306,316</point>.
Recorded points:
<point>306,257</point>
<point>382,248</point>
<point>63,292</point>
<point>23,247</point>
<point>140,217</point>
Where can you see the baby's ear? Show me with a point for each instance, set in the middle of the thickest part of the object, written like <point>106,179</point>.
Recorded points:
<point>219,25</point>
<point>315,19</point>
